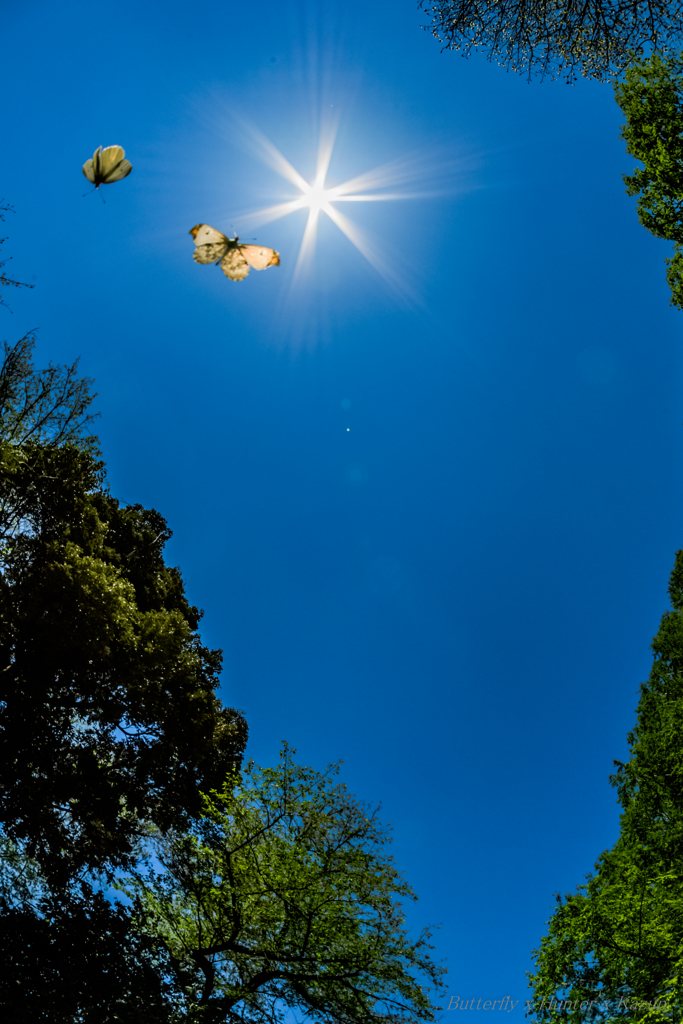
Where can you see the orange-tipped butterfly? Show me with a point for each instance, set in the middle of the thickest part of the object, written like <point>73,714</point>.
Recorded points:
<point>107,166</point>
<point>213,246</point>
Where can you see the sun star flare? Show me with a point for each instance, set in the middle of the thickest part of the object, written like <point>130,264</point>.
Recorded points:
<point>317,198</point>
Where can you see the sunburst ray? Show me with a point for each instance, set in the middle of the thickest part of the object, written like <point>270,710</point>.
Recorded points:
<point>318,198</point>
<point>381,184</point>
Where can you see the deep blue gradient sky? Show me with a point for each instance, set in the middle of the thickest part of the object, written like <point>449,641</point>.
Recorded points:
<point>432,533</point>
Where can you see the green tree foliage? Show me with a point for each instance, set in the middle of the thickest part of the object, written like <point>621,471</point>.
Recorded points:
<point>597,38</point>
<point>618,940</point>
<point>108,716</point>
<point>283,898</point>
<point>651,97</point>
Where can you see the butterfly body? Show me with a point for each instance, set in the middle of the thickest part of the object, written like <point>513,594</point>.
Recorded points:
<point>212,246</point>
<point>107,166</point>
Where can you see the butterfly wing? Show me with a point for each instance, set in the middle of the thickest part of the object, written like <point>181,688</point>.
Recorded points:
<point>211,252</point>
<point>202,234</point>
<point>107,165</point>
<point>121,170</point>
<point>113,167</point>
<point>210,245</point>
<point>234,265</point>
<point>259,257</point>
<point>91,168</point>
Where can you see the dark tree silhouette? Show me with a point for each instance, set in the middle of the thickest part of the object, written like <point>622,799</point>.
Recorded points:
<point>594,38</point>
<point>79,960</point>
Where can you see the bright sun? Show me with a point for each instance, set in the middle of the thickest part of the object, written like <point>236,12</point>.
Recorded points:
<point>317,198</point>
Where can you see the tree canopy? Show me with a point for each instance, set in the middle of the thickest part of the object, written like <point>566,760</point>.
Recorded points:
<point>596,38</point>
<point>108,716</point>
<point>282,897</point>
<point>651,97</point>
<point>617,942</point>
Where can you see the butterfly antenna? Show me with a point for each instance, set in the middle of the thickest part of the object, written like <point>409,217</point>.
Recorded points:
<point>93,190</point>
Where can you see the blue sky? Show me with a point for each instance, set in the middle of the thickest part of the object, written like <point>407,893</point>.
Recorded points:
<point>431,522</point>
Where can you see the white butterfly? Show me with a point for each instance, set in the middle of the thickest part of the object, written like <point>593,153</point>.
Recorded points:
<point>107,165</point>
<point>235,259</point>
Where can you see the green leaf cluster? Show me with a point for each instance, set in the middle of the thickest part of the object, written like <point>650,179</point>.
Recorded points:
<point>614,949</point>
<point>651,97</point>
